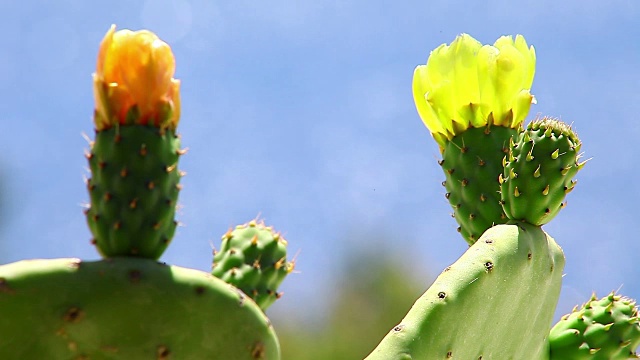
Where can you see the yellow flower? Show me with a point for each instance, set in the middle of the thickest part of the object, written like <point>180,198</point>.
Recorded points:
<point>466,84</point>
<point>134,83</point>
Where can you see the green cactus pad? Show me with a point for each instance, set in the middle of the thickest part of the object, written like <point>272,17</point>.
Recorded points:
<point>126,308</point>
<point>253,258</point>
<point>604,329</point>
<point>539,171</point>
<point>133,189</point>
<point>472,163</point>
<point>496,302</point>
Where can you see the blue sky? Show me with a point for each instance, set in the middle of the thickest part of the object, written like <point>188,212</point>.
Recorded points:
<point>302,113</point>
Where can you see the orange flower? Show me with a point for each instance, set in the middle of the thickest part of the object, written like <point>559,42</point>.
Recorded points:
<point>133,82</point>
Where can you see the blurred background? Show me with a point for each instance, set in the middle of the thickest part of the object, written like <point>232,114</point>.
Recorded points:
<point>301,112</point>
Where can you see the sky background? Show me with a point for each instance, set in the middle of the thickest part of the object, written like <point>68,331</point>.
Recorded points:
<point>301,112</point>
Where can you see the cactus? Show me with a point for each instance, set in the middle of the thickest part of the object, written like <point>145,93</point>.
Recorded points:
<point>126,308</point>
<point>483,293</point>
<point>479,120</point>
<point>129,305</point>
<point>480,307</point>
<point>601,329</point>
<point>254,259</point>
<point>543,160</point>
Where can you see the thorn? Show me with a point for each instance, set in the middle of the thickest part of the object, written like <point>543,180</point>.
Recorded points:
<point>545,192</point>
<point>483,198</point>
<point>464,182</point>
<point>536,174</point>
<point>504,161</point>
<point>254,240</point>
<point>512,174</point>
<point>565,170</point>
<point>500,179</point>
<point>555,154</point>
<point>516,193</point>
<point>530,155</point>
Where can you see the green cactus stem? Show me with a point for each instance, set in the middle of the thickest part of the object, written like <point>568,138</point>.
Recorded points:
<point>601,329</point>
<point>126,308</point>
<point>495,302</point>
<point>472,163</point>
<point>253,258</point>
<point>539,171</point>
<point>133,189</point>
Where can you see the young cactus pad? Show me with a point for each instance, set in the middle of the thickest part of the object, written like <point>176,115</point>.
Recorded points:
<point>539,171</point>
<point>473,99</point>
<point>126,308</point>
<point>495,302</point>
<point>253,258</point>
<point>602,329</point>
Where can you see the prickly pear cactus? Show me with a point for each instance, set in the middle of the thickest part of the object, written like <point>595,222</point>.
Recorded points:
<point>480,307</point>
<point>134,158</point>
<point>126,308</point>
<point>473,99</point>
<point>253,257</point>
<point>128,305</point>
<point>602,329</point>
<point>539,171</point>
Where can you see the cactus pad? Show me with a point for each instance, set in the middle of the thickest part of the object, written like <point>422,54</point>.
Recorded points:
<point>472,163</point>
<point>126,308</point>
<point>253,258</point>
<point>602,329</point>
<point>539,171</point>
<point>495,302</point>
<point>133,189</point>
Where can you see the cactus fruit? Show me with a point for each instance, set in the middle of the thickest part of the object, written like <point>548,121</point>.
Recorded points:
<point>602,329</point>
<point>133,160</point>
<point>481,306</point>
<point>134,189</point>
<point>126,308</point>
<point>539,171</point>
<point>472,162</point>
<point>473,99</point>
<point>253,258</point>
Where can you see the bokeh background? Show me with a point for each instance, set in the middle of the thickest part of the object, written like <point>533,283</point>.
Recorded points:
<point>301,112</point>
